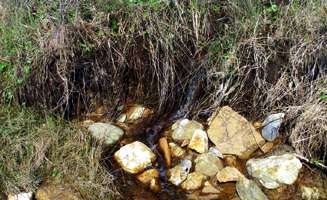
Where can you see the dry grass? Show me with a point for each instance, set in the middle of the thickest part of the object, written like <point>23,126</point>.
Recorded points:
<point>38,149</point>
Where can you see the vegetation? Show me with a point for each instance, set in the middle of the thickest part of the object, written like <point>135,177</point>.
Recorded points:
<point>65,58</point>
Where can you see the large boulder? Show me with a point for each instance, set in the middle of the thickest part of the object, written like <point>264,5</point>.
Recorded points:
<point>249,190</point>
<point>233,134</point>
<point>180,172</point>
<point>183,129</point>
<point>134,157</point>
<point>274,171</point>
<point>106,132</point>
<point>208,164</point>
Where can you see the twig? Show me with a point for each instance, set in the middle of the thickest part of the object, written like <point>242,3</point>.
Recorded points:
<point>317,164</point>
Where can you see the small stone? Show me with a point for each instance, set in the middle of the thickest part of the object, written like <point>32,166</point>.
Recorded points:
<point>267,147</point>
<point>199,141</point>
<point>194,181</point>
<point>155,185</point>
<point>21,196</point>
<point>233,134</point>
<point>216,152</point>
<point>257,125</point>
<point>271,126</point>
<point>229,174</point>
<point>310,193</point>
<point>135,112</point>
<point>56,191</point>
<point>176,150</point>
<point>164,147</point>
<point>274,171</point>
<point>148,175</point>
<point>107,133</point>
<point>208,164</point>
<point>208,188</point>
<point>122,118</point>
<point>179,173</point>
<point>134,157</point>
<point>183,129</point>
<point>248,190</point>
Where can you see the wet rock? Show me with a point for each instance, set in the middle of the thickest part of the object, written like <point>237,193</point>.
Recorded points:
<point>216,152</point>
<point>151,178</point>
<point>194,181</point>
<point>105,132</point>
<point>164,147</point>
<point>248,190</point>
<point>310,193</point>
<point>55,192</point>
<point>275,170</point>
<point>209,188</point>
<point>183,129</point>
<point>179,173</point>
<point>271,126</point>
<point>208,164</point>
<point>199,141</point>
<point>134,157</point>
<point>133,113</point>
<point>148,175</point>
<point>229,174</point>
<point>176,151</point>
<point>21,196</point>
<point>233,134</point>
<point>267,147</point>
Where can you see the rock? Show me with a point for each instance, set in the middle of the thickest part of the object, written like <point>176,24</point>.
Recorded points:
<point>55,192</point>
<point>208,188</point>
<point>271,126</point>
<point>135,112</point>
<point>229,174</point>
<point>275,170</point>
<point>179,173</point>
<point>199,141</point>
<point>194,181</point>
<point>176,151</point>
<point>134,157</point>
<point>233,134</point>
<point>21,196</point>
<point>310,193</point>
<point>122,118</point>
<point>164,147</point>
<point>267,147</point>
<point>216,152</point>
<point>183,129</point>
<point>208,164</point>
<point>148,175</point>
<point>155,185</point>
<point>248,190</point>
<point>257,125</point>
<point>107,133</point>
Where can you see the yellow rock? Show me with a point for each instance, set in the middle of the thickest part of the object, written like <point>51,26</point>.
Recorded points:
<point>228,174</point>
<point>233,134</point>
<point>193,181</point>
<point>164,147</point>
<point>199,141</point>
<point>267,147</point>
<point>176,151</point>
<point>155,185</point>
<point>208,188</point>
<point>148,175</point>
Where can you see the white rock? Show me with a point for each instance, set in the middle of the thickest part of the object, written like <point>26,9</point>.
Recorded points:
<point>274,171</point>
<point>228,174</point>
<point>21,196</point>
<point>216,152</point>
<point>271,126</point>
<point>194,181</point>
<point>199,141</point>
<point>134,157</point>
<point>183,129</point>
<point>248,190</point>
<point>176,150</point>
<point>105,132</point>
<point>180,172</point>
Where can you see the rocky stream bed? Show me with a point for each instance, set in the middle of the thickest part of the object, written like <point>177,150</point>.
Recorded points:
<point>225,157</point>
